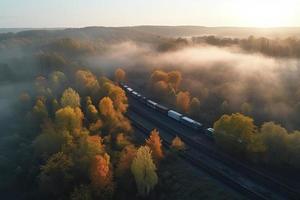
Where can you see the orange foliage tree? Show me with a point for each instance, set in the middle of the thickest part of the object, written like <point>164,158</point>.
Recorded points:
<point>100,173</point>
<point>120,75</point>
<point>183,101</point>
<point>154,143</point>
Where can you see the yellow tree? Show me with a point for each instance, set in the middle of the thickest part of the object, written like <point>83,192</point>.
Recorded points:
<point>154,143</point>
<point>118,96</point>
<point>69,119</point>
<point>144,171</point>
<point>70,98</point>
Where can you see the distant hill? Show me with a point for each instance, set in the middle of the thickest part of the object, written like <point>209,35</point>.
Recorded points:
<point>188,31</point>
<point>105,34</point>
<point>144,33</point>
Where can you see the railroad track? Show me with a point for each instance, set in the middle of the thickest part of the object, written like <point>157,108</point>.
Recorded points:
<point>249,172</point>
<point>248,192</point>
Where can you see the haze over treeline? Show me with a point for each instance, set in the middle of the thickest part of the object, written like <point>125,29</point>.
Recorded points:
<point>226,71</point>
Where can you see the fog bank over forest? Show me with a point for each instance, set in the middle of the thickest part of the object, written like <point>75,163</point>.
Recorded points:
<point>269,84</point>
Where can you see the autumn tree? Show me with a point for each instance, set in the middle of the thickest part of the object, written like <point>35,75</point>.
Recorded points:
<point>57,80</point>
<point>144,171</point>
<point>70,98</point>
<point>69,119</point>
<point>195,107</point>
<point>41,84</point>
<point>174,78</point>
<point>56,176</point>
<point>293,149</point>
<point>154,143</point>
<point>183,101</point>
<point>101,176</point>
<point>120,75</point>
<point>177,144</point>
<point>83,192</point>
<point>246,108</point>
<point>54,106</point>
<point>159,75</point>
<point>87,82</point>
<point>50,141</point>
<point>114,121</point>
<point>118,96</point>
<point>106,107</point>
<point>40,111</point>
<point>86,149</point>
<point>274,137</point>
<point>234,132</point>
<point>127,155</point>
<point>160,87</point>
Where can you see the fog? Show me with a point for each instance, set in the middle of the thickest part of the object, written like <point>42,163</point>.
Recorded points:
<point>268,84</point>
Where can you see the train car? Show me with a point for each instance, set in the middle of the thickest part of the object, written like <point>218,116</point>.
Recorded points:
<point>175,115</point>
<point>191,123</point>
<point>129,89</point>
<point>135,94</point>
<point>209,132</point>
<point>143,99</point>
<point>151,104</point>
<point>162,109</point>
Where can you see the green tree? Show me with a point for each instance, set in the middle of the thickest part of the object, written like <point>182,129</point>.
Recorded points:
<point>144,171</point>
<point>234,132</point>
<point>275,138</point>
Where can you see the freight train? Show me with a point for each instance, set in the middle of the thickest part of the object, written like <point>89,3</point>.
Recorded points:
<point>170,113</point>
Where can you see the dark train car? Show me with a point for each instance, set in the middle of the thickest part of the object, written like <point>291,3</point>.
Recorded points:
<point>162,109</point>
<point>151,104</point>
<point>209,132</point>
<point>143,99</point>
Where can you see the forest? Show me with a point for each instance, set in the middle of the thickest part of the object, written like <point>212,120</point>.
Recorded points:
<point>64,130</point>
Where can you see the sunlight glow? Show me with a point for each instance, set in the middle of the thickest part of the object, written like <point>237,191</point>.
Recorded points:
<point>265,13</point>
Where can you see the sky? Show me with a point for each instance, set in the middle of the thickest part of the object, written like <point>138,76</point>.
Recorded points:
<point>81,13</point>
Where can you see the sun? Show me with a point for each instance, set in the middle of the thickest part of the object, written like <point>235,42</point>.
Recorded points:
<point>264,13</point>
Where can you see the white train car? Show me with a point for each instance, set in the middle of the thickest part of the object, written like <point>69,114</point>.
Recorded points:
<point>191,123</point>
<point>129,89</point>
